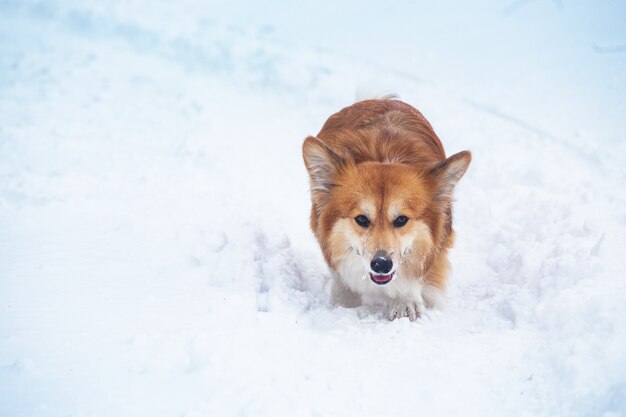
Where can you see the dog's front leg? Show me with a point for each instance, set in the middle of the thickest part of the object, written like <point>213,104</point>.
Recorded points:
<point>343,296</point>
<point>412,309</point>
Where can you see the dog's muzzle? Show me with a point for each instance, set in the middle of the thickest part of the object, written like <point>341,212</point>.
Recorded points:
<point>381,268</point>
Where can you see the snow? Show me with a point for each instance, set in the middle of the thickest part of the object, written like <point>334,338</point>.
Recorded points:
<point>155,255</point>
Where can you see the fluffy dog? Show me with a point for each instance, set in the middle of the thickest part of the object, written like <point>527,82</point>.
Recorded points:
<point>381,192</point>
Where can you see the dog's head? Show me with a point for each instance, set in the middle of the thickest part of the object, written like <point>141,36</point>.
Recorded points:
<point>393,216</point>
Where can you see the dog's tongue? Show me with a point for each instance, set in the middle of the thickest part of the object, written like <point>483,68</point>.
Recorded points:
<point>381,279</point>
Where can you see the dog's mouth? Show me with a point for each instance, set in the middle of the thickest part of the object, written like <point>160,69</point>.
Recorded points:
<point>381,279</point>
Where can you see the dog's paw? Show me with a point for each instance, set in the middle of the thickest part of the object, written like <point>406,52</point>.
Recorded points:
<point>410,309</point>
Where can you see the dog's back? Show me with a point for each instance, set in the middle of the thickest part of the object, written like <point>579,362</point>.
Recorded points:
<point>383,131</point>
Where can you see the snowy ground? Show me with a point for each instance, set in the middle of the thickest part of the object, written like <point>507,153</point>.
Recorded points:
<point>155,256</point>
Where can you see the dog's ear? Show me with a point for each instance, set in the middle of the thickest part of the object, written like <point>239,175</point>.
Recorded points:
<point>323,165</point>
<point>447,173</point>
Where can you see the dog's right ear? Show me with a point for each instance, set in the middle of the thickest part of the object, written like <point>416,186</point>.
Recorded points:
<point>323,165</point>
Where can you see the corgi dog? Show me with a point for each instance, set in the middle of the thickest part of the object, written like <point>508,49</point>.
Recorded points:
<point>381,193</point>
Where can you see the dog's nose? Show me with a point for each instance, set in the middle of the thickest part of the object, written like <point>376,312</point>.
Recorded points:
<point>381,264</point>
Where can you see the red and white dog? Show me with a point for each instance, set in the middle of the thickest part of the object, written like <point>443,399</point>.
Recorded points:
<point>381,191</point>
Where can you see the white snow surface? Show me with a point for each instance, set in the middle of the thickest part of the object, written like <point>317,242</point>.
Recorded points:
<point>155,253</point>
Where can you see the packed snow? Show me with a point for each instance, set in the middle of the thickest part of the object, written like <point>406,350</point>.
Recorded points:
<point>155,252</point>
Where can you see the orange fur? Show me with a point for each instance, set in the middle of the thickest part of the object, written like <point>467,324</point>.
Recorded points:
<point>382,159</point>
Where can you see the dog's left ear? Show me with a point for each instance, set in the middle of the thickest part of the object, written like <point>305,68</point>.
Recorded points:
<point>448,172</point>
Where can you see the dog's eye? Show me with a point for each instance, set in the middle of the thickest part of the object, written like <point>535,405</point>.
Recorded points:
<point>400,221</point>
<point>362,221</point>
